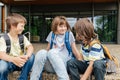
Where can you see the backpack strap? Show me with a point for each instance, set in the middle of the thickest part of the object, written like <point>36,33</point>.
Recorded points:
<point>105,49</point>
<point>67,43</point>
<point>8,42</point>
<point>52,38</point>
<point>94,42</point>
<point>107,52</point>
<point>21,42</point>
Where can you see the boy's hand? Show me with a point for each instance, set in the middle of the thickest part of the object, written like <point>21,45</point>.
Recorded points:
<point>82,78</point>
<point>19,61</point>
<point>26,57</point>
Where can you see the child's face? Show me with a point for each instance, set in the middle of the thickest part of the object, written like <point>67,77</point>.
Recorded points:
<point>81,38</point>
<point>20,27</point>
<point>61,29</point>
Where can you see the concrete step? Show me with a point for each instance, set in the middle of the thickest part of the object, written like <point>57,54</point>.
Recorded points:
<point>51,76</point>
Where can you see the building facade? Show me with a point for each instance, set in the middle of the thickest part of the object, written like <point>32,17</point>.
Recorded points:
<point>105,15</point>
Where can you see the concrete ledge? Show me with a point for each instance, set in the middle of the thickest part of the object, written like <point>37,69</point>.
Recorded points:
<point>14,75</point>
<point>45,76</point>
<point>51,76</point>
<point>112,76</point>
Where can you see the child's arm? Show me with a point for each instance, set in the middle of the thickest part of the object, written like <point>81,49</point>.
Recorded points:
<point>24,58</point>
<point>88,71</point>
<point>29,50</point>
<point>5,56</point>
<point>75,52</point>
<point>48,46</point>
<point>15,60</point>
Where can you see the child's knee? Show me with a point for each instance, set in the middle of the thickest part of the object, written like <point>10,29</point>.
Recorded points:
<point>52,52</point>
<point>31,59</point>
<point>99,64</point>
<point>3,66</point>
<point>70,63</point>
<point>42,54</point>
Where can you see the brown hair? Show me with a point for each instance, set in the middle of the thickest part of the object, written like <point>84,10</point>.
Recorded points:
<point>59,20</point>
<point>84,27</point>
<point>14,19</point>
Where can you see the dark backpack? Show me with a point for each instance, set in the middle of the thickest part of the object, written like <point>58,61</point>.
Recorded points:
<point>67,43</point>
<point>8,42</point>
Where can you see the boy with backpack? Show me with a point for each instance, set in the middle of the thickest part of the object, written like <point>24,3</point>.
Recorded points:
<point>94,60</point>
<point>61,44</point>
<point>15,49</point>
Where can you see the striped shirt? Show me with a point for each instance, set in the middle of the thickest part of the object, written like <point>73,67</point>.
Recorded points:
<point>93,53</point>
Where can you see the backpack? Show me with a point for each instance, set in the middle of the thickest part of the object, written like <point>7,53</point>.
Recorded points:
<point>8,42</point>
<point>67,43</point>
<point>112,61</point>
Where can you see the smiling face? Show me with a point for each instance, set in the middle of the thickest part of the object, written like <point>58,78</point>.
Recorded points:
<point>18,29</point>
<point>61,29</point>
<point>60,25</point>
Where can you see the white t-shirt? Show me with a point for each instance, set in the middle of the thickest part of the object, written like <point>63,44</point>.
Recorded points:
<point>59,44</point>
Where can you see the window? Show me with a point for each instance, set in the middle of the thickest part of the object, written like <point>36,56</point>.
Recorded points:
<point>106,25</point>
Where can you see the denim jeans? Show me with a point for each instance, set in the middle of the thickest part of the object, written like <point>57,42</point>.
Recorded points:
<point>76,67</point>
<point>7,67</point>
<point>51,62</point>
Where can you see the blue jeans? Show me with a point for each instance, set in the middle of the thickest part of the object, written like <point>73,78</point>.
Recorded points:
<point>76,67</point>
<point>51,62</point>
<point>7,67</point>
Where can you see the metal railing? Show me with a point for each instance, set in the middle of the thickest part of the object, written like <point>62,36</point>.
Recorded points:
<point>27,34</point>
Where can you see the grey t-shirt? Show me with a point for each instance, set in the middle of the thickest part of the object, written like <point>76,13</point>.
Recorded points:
<point>59,44</point>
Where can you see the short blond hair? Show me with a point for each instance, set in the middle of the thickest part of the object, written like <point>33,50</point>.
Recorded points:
<point>14,19</point>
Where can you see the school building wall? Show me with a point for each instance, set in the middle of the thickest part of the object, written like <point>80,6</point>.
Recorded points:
<point>69,10</point>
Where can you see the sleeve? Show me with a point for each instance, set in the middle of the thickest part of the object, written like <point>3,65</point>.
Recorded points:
<point>71,37</point>
<point>26,42</point>
<point>2,45</point>
<point>96,52</point>
<point>48,39</point>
